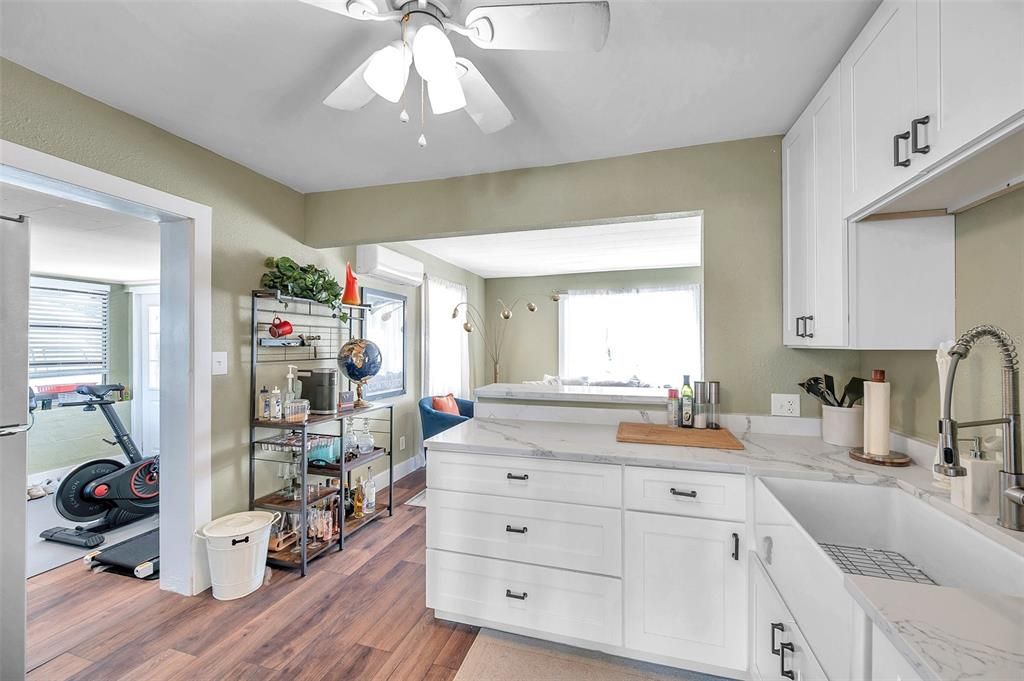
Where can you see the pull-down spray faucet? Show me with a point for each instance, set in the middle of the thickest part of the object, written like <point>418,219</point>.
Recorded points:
<point>1011,477</point>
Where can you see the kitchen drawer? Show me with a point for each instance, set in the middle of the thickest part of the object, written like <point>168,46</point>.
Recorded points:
<point>540,599</point>
<point>542,532</point>
<point>720,496</point>
<point>569,481</point>
<point>775,634</point>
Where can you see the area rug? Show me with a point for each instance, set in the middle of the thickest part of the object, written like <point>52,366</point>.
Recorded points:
<point>419,500</point>
<point>497,656</point>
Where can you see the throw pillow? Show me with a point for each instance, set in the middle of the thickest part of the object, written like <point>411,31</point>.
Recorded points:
<point>447,404</point>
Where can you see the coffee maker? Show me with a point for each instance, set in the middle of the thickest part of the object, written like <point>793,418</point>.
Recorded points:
<point>320,387</point>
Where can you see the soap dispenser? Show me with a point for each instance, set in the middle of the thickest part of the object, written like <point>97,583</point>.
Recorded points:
<point>978,491</point>
<point>294,390</point>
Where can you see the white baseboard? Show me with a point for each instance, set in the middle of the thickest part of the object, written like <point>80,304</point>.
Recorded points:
<point>407,467</point>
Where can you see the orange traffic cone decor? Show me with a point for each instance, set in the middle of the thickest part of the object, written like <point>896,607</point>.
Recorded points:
<point>351,296</point>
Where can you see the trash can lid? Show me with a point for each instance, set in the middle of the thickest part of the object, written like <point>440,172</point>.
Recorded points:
<point>238,524</point>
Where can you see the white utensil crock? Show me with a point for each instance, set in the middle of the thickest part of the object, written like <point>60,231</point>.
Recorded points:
<point>843,426</point>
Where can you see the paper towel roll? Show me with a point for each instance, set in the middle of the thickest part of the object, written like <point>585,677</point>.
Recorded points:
<point>876,414</point>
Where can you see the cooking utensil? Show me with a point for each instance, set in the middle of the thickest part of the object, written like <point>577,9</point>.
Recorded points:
<point>830,386</point>
<point>853,392</point>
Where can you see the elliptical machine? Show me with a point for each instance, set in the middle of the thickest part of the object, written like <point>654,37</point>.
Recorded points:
<point>106,492</point>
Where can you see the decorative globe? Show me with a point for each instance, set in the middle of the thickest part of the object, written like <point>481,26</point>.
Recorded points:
<point>359,360</point>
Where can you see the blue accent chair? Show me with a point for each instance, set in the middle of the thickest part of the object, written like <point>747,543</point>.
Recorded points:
<point>435,422</point>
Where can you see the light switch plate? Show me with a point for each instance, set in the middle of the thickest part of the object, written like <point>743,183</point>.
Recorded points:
<point>785,405</point>
<point>220,364</point>
<point>401,443</point>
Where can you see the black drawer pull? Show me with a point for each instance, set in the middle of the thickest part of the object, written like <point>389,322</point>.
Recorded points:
<point>510,476</point>
<point>783,647</point>
<point>512,594</point>
<point>679,493</point>
<point>240,541</point>
<point>517,530</point>
<point>777,627</point>
<point>914,126</point>
<point>896,149</point>
<point>735,546</point>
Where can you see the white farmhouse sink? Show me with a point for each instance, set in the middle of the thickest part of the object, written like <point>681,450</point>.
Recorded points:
<point>948,551</point>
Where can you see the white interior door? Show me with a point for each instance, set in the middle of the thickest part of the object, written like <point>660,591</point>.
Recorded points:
<point>14,259</point>
<point>146,372</point>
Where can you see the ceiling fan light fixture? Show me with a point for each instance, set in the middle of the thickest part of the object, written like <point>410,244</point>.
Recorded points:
<point>388,71</point>
<point>432,53</point>
<point>446,95</point>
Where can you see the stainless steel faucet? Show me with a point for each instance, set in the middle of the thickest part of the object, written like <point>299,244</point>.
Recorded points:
<point>1011,477</point>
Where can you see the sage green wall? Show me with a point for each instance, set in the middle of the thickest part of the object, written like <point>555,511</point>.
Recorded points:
<point>737,184</point>
<point>253,217</point>
<point>531,340</point>
<point>989,290</point>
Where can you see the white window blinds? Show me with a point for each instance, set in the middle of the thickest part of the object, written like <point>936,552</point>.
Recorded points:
<point>68,328</point>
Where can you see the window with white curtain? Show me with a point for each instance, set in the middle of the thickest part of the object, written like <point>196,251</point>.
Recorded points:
<point>648,336</point>
<point>446,343</point>
<point>68,332</point>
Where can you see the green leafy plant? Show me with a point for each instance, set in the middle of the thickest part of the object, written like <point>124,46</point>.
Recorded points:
<point>301,281</point>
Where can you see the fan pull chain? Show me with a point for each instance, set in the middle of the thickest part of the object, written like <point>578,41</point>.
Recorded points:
<point>423,113</point>
<point>404,116</point>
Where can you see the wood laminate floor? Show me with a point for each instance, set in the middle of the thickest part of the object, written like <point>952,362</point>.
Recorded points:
<point>359,614</point>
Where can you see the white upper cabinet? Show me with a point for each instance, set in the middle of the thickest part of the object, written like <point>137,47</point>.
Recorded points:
<point>970,72</point>
<point>922,81</point>
<point>879,92</point>
<point>814,231</point>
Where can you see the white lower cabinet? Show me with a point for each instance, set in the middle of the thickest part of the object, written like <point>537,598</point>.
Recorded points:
<point>780,649</point>
<point>529,597</point>
<point>686,589</point>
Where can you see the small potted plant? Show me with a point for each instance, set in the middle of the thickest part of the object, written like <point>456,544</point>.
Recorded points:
<point>302,281</point>
<point>842,419</point>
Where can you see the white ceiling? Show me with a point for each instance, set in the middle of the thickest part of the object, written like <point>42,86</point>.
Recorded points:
<point>77,241</point>
<point>639,245</point>
<point>246,80</point>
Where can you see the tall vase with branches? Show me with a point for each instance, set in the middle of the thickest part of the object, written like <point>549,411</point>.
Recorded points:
<point>493,336</point>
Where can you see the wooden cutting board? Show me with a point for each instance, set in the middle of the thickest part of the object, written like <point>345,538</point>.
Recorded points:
<point>656,434</point>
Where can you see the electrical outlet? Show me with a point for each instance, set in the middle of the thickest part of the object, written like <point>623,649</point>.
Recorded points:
<point>401,443</point>
<point>785,405</point>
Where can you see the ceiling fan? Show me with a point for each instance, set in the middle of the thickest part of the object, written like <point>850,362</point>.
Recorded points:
<point>450,82</point>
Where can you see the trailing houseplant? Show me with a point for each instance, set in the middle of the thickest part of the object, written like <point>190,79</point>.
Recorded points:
<point>301,281</point>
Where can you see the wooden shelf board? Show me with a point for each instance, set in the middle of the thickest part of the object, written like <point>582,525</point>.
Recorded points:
<point>319,419</point>
<point>285,557</point>
<point>354,524</point>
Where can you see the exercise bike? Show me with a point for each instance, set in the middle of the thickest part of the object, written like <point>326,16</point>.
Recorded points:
<point>108,493</point>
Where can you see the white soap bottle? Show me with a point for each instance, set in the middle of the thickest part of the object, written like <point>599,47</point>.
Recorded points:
<point>978,491</point>
<point>275,404</point>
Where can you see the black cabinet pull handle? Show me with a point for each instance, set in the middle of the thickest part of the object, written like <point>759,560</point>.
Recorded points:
<point>896,149</point>
<point>679,493</point>
<point>512,594</point>
<point>510,476</point>
<point>808,334</point>
<point>517,530</point>
<point>914,126</point>
<point>240,541</point>
<point>777,627</point>
<point>735,546</point>
<point>783,647</point>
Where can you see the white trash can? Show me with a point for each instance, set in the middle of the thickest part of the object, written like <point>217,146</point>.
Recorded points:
<point>236,546</point>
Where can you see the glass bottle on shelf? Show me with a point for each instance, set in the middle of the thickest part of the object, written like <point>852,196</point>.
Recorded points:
<point>348,442</point>
<point>365,439</point>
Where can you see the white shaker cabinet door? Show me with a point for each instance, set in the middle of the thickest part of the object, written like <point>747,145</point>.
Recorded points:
<point>797,231</point>
<point>879,93</point>
<point>686,589</point>
<point>971,72</point>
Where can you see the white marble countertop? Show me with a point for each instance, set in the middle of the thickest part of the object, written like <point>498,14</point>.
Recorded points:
<point>919,627</point>
<point>947,634</point>
<point>572,393</point>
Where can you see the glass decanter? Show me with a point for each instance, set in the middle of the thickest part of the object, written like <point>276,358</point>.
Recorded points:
<point>365,439</point>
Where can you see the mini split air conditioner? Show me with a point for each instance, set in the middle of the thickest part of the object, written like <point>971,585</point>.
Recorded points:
<point>387,265</point>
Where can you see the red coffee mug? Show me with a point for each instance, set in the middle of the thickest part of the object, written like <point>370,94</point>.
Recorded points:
<point>279,328</point>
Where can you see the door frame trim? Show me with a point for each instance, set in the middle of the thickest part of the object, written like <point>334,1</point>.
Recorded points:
<point>186,289</point>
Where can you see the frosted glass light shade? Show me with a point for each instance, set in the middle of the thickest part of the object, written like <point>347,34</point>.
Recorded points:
<point>445,94</point>
<point>433,53</point>
<point>388,71</point>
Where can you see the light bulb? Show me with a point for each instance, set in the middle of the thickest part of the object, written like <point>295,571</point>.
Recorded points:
<point>422,141</point>
<point>404,116</point>
<point>445,94</point>
<point>388,71</point>
<point>433,53</point>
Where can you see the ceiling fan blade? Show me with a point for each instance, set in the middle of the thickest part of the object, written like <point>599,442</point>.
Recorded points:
<point>364,10</point>
<point>353,93</point>
<point>557,26</point>
<point>482,102</point>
